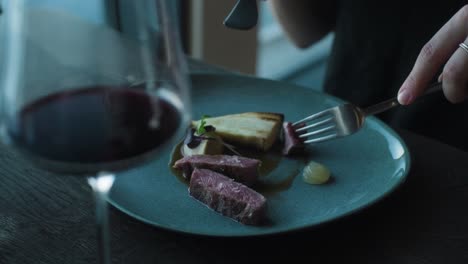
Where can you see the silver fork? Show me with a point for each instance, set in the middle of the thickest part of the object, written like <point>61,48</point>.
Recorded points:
<point>343,120</point>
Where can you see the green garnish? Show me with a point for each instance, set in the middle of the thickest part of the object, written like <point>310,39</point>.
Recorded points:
<point>195,136</point>
<point>201,126</point>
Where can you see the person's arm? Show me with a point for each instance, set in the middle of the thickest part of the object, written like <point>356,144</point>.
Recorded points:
<point>305,21</point>
<point>442,49</point>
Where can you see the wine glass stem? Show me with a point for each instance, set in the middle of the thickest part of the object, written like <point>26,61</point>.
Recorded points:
<point>101,185</point>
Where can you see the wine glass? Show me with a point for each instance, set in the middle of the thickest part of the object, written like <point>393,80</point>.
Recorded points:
<point>92,99</point>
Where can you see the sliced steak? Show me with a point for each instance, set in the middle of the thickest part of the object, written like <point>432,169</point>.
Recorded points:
<point>241,169</point>
<point>292,142</point>
<point>227,197</point>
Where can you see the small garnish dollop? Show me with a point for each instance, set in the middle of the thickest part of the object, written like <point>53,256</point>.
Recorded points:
<point>195,137</point>
<point>204,140</point>
<point>315,173</point>
<point>192,140</point>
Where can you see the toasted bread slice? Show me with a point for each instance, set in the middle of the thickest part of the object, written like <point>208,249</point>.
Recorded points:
<point>256,129</point>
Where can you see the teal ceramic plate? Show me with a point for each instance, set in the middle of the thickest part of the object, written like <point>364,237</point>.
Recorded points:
<point>365,166</point>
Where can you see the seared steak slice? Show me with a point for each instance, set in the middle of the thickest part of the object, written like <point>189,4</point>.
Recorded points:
<point>241,169</point>
<point>227,197</point>
<point>292,142</point>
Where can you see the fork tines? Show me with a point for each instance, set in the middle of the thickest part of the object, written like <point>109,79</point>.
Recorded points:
<point>321,127</point>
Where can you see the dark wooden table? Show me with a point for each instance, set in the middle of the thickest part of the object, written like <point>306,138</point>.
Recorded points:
<point>50,219</point>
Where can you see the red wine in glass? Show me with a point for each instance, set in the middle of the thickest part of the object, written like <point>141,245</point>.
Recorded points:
<point>100,128</point>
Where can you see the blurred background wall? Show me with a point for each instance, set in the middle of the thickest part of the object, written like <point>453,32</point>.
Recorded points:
<point>263,51</point>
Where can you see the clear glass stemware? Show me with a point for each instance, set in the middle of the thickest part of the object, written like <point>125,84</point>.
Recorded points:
<point>87,99</point>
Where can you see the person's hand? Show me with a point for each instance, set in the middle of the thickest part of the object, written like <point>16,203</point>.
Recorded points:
<point>442,48</point>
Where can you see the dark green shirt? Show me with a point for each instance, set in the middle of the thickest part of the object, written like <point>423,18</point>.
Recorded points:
<point>376,44</point>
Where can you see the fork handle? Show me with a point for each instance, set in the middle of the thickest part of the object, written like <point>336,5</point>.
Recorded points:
<point>390,103</point>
